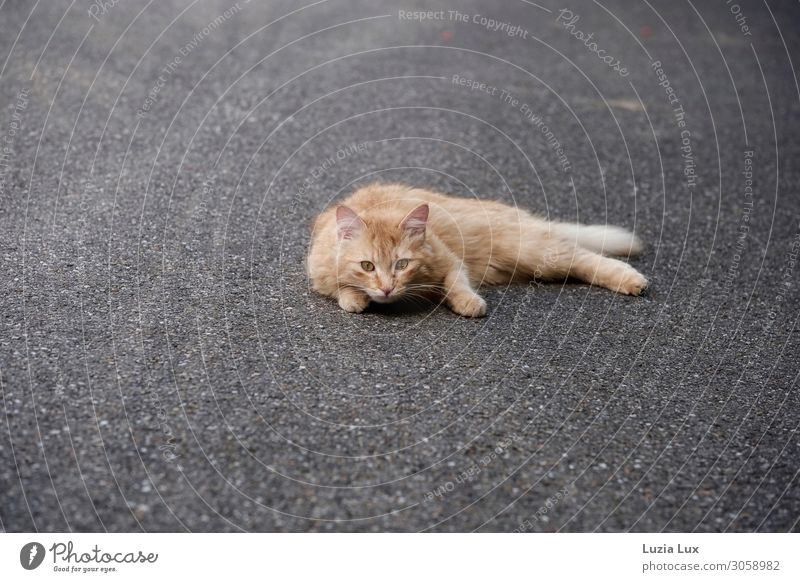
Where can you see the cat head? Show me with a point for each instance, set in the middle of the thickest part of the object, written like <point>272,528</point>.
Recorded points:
<point>380,256</point>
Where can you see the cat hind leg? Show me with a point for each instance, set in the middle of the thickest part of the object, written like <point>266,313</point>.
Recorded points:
<point>560,259</point>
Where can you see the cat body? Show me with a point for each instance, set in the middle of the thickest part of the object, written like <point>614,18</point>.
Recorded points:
<point>389,241</point>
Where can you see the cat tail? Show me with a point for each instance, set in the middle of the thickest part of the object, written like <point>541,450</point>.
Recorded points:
<point>600,238</point>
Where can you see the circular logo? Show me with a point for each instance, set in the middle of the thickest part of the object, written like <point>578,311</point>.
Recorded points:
<point>31,555</point>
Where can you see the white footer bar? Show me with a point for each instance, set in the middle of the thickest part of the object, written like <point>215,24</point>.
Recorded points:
<point>400,557</point>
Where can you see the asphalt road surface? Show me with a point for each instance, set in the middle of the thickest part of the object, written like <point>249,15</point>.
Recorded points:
<point>165,367</point>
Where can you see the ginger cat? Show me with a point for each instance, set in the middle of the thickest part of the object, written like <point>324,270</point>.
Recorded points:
<point>388,241</point>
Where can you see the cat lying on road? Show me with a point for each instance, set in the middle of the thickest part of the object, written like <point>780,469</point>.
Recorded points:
<point>389,241</point>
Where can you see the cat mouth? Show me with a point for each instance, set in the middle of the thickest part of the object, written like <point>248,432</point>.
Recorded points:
<point>381,298</point>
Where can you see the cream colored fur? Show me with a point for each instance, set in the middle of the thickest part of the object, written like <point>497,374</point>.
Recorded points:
<point>453,245</point>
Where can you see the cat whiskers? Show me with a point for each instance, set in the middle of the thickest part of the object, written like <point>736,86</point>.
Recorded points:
<point>416,299</point>
<point>424,287</point>
<point>422,293</point>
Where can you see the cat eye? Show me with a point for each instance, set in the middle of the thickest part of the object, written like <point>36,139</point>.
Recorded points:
<point>401,264</point>
<point>367,266</point>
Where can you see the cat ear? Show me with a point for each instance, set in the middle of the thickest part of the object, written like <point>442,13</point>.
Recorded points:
<point>416,220</point>
<point>348,223</point>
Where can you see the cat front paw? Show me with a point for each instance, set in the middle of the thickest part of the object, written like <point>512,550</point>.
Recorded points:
<point>633,283</point>
<point>353,302</point>
<point>468,304</point>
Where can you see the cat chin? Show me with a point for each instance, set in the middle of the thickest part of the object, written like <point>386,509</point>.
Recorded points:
<point>375,298</point>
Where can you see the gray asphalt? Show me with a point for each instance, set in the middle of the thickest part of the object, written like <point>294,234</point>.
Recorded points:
<point>165,367</point>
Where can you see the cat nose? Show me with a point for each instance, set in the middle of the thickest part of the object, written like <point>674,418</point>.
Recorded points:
<point>386,291</point>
